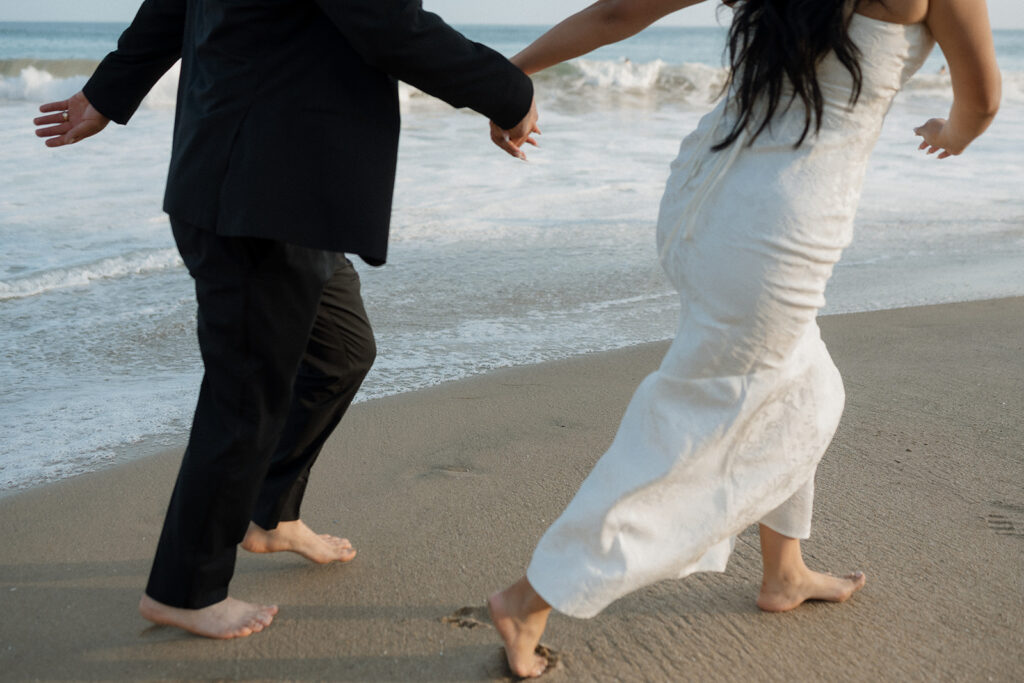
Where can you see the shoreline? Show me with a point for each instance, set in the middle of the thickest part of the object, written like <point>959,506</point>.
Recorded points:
<point>167,444</point>
<point>446,490</point>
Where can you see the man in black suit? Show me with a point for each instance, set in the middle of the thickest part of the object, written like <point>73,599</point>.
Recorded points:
<point>284,154</point>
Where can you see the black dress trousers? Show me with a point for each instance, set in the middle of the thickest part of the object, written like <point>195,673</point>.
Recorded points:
<point>285,343</point>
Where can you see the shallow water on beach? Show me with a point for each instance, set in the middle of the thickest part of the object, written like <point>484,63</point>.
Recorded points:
<point>493,262</point>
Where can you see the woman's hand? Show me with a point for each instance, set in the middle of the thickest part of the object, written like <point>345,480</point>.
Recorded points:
<point>512,140</point>
<point>76,119</point>
<point>933,131</point>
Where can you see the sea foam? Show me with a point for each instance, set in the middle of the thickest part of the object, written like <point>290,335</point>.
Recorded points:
<point>137,263</point>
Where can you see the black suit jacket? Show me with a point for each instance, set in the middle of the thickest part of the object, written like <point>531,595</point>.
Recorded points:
<point>287,118</point>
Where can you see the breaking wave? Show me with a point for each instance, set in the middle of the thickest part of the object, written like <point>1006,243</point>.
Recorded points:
<point>579,83</point>
<point>46,80</point>
<point>137,263</point>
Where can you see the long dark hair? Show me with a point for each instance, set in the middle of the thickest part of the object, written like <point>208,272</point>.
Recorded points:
<point>775,45</point>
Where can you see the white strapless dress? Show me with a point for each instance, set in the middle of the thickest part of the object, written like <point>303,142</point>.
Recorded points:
<point>730,429</point>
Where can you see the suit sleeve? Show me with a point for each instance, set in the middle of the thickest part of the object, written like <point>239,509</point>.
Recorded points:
<point>145,51</point>
<point>418,47</point>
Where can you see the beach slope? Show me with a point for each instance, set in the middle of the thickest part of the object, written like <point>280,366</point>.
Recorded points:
<point>445,492</point>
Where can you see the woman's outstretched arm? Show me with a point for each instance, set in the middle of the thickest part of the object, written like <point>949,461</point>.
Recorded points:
<point>962,29</point>
<point>603,23</point>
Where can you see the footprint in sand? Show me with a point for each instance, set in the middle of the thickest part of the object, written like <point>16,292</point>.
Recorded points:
<point>458,471</point>
<point>1009,521</point>
<point>468,617</point>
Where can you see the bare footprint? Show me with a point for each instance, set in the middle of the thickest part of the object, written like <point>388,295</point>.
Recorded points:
<point>469,617</point>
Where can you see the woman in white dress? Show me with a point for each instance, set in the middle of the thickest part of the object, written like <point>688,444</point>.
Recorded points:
<point>758,208</point>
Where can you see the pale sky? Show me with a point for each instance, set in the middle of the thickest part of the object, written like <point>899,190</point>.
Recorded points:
<point>1005,13</point>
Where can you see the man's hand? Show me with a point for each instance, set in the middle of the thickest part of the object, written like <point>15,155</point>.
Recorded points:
<point>512,140</point>
<point>75,120</point>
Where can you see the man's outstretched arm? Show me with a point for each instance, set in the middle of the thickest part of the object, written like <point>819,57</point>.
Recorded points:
<point>145,51</point>
<point>418,47</point>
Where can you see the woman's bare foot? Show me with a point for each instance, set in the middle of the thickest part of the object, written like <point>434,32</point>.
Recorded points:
<point>228,618</point>
<point>298,538</point>
<point>787,581</point>
<point>520,615</point>
<point>783,594</point>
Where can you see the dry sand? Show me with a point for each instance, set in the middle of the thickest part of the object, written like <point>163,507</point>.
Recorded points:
<point>445,492</point>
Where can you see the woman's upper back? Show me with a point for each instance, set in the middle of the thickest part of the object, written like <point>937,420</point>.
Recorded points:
<point>890,53</point>
<point>813,54</point>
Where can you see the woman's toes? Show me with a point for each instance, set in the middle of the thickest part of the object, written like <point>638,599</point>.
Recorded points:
<point>541,667</point>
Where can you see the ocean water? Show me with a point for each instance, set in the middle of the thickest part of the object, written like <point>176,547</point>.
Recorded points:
<point>493,262</point>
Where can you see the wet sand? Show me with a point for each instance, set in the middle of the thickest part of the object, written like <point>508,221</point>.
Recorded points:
<point>445,491</point>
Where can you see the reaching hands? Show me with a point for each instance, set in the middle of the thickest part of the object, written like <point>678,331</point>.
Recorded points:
<point>75,120</point>
<point>512,140</point>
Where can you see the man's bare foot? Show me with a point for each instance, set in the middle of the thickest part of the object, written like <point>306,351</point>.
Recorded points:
<point>228,618</point>
<point>781,595</point>
<point>298,538</point>
<point>520,615</point>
